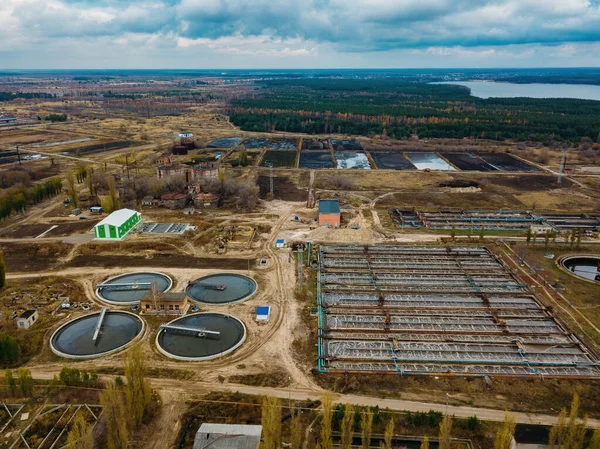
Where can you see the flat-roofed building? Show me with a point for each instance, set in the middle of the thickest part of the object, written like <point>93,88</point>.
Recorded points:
<point>329,213</point>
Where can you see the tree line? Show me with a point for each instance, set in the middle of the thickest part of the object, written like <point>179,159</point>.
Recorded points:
<point>569,432</point>
<point>17,199</point>
<point>399,109</point>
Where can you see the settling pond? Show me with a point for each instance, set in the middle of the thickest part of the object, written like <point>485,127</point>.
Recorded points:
<point>201,336</point>
<point>129,289</point>
<point>429,160</point>
<point>223,288</point>
<point>583,266</point>
<point>75,339</point>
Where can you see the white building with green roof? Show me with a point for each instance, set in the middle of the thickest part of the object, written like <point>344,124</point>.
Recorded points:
<point>117,225</point>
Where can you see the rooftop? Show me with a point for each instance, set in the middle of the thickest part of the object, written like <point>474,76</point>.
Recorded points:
<point>231,429</point>
<point>118,217</point>
<point>27,314</point>
<point>167,297</point>
<point>329,207</point>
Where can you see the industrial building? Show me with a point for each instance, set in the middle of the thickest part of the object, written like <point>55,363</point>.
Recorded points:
<point>425,310</point>
<point>27,319</point>
<point>228,436</point>
<point>329,213</point>
<point>117,225</point>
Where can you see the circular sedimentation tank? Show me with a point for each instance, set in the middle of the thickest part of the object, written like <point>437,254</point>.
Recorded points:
<point>75,339</point>
<point>223,288</point>
<point>584,266</point>
<point>129,288</point>
<point>201,336</point>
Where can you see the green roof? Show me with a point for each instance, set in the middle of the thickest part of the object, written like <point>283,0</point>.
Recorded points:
<point>329,207</point>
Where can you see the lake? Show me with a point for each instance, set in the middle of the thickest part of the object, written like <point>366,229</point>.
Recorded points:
<point>491,89</point>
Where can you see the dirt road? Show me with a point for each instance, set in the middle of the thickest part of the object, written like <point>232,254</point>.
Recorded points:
<point>173,389</point>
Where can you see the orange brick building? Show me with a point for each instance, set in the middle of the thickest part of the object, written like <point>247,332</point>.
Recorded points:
<point>167,304</point>
<point>329,213</point>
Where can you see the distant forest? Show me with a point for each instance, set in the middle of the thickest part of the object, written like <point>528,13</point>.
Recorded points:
<point>399,108</point>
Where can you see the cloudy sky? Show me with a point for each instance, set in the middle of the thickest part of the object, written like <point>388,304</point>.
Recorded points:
<point>298,33</point>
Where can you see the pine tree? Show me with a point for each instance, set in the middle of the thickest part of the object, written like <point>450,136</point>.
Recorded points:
<point>505,435</point>
<point>445,433</point>
<point>366,427</point>
<point>347,429</point>
<point>80,436</point>
<point>114,411</point>
<point>528,236</point>
<point>453,233</point>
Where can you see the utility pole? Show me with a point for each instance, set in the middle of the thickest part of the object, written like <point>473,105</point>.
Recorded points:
<point>127,165</point>
<point>18,155</point>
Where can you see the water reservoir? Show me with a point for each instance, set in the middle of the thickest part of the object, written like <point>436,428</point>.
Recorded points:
<point>201,336</point>
<point>97,334</point>
<point>128,289</point>
<point>222,288</point>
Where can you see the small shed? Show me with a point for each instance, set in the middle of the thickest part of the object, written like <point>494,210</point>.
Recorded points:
<point>329,213</point>
<point>96,209</point>
<point>263,313</point>
<point>27,319</point>
<point>279,243</point>
<point>228,436</point>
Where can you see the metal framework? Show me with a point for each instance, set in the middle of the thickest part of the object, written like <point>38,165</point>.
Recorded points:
<point>414,310</point>
<point>506,220</point>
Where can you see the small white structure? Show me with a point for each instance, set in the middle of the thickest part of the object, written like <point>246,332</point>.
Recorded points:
<point>27,319</point>
<point>117,225</point>
<point>540,229</point>
<point>280,243</point>
<point>186,135</point>
<point>263,313</point>
<point>227,436</point>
